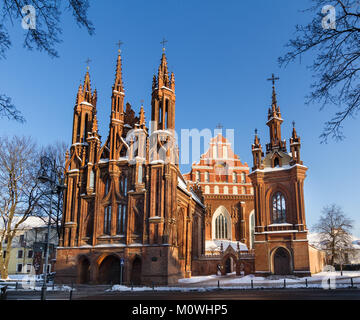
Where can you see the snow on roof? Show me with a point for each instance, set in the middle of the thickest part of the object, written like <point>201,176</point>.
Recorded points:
<point>215,245</point>
<point>182,186</point>
<point>29,223</point>
<point>285,167</point>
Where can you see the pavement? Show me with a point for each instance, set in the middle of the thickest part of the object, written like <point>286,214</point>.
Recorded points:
<point>221,294</point>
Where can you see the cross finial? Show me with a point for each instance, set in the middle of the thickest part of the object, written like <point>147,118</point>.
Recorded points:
<point>293,123</point>
<point>256,132</point>
<point>163,42</point>
<point>273,79</point>
<point>87,63</point>
<point>142,101</point>
<point>119,44</point>
<point>219,126</point>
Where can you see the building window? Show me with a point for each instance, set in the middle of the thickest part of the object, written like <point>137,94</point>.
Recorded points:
<point>221,227</point>
<point>252,190</point>
<point>216,190</point>
<point>234,177</point>
<point>107,185</point>
<point>278,208</point>
<point>226,190</point>
<point>207,189</point>
<point>107,220</point>
<point>4,254</point>
<point>123,185</point>
<point>207,177</point>
<point>197,176</point>
<point>30,254</point>
<point>21,239</point>
<point>121,219</point>
<point>28,267</point>
<point>235,190</point>
<point>243,190</point>
<point>19,267</point>
<point>20,254</point>
<point>243,177</point>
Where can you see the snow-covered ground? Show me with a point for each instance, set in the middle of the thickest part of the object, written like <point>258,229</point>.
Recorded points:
<point>211,282</point>
<point>30,283</point>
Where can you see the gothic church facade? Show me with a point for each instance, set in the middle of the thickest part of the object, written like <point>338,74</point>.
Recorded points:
<point>130,216</point>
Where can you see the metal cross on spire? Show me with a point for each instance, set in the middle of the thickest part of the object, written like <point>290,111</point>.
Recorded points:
<point>163,42</point>
<point>273,79</point>
<point>87,63</point>
<point>219,126</point>
<point>119,44</point>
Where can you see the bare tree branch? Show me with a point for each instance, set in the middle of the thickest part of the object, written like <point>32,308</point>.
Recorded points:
<point>337,63</point>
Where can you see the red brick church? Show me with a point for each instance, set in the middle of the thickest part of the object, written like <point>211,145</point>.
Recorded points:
<point>130,215</point>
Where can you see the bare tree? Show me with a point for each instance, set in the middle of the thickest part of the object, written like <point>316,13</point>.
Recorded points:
<point>19,192</point>
<point>56,153</point>
<point>334,229</point>
<point>336,66</point>
<point>43,37</point>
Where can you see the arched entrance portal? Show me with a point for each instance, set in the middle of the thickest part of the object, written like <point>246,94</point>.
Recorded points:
<point>136,271</point>
<point>282,262</point>
<point>109,270</point>
<point>84,271</point>
<point>229,265</point>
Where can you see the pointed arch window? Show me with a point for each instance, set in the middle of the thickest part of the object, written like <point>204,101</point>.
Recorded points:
<point>120,229</point>
<point>278,208</point>
<point>107,185</point>
<point>107,220</point>
<point>123,185</point>
<point>221,227</point>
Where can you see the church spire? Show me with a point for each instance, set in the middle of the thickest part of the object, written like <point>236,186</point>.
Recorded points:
<point>257,152</point>
<point>295,144</point>
<point>163,97</point>
<point>118,85</point>
<point>274,122</point>
<point>117,98</point>
<point>163,74</point>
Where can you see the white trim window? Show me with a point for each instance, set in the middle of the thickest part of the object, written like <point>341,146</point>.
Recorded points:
<point>207,189</point>
<point>221,224</point>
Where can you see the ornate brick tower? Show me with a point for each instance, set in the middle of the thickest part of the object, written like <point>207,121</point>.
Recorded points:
<point>126,202</point>
<point>281,245</point>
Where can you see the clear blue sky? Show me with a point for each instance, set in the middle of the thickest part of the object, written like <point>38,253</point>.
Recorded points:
<point>222,52</point>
